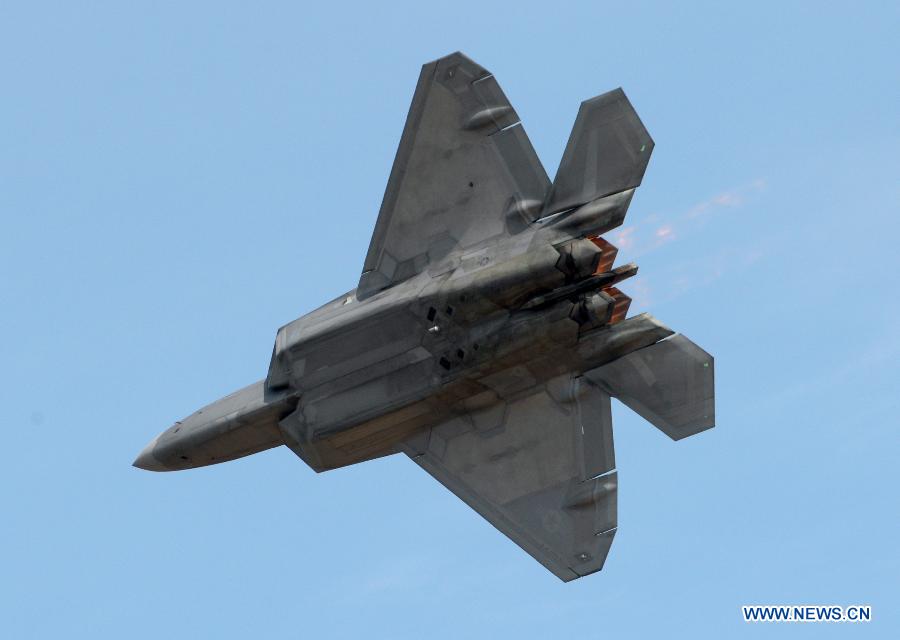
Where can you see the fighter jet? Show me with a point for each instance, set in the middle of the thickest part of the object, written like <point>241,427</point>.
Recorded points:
<point>487,332</point>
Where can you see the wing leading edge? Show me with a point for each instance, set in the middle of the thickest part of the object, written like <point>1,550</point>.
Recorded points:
<point>465,172</point>
<point>539,468</point>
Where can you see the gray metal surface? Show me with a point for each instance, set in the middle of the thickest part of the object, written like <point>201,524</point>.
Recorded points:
<point>461,169</point>
<point>607,153</point>
<point>487,333</point>
<point>241,423</point>
<point>532,467</point>
<point>669,384</point>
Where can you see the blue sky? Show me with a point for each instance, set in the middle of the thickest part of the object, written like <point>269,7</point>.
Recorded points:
<point>177,181</point>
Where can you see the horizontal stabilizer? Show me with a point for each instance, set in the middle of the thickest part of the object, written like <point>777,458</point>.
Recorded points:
<point>607,153</point>
<point>669,384</point>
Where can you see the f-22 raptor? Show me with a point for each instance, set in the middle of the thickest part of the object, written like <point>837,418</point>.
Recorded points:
<point>487,332</point>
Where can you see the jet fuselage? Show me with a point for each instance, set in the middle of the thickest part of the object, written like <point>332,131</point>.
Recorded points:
<point>485,338</point>
<point>353,378</point>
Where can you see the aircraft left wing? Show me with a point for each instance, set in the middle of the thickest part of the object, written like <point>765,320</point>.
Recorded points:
<point>540,468</point>
<point>464,172</point>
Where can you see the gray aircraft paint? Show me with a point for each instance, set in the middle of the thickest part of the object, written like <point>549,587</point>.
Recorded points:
<point>486,336</point>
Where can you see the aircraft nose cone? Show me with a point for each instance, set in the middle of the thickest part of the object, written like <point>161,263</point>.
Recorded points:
<point>147,461</point>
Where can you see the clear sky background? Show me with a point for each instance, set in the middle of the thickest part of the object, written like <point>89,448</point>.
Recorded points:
<point>177,180</point>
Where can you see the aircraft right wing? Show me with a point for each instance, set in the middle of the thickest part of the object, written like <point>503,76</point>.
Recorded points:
<point>539,468</point>
<point>539,465</point>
